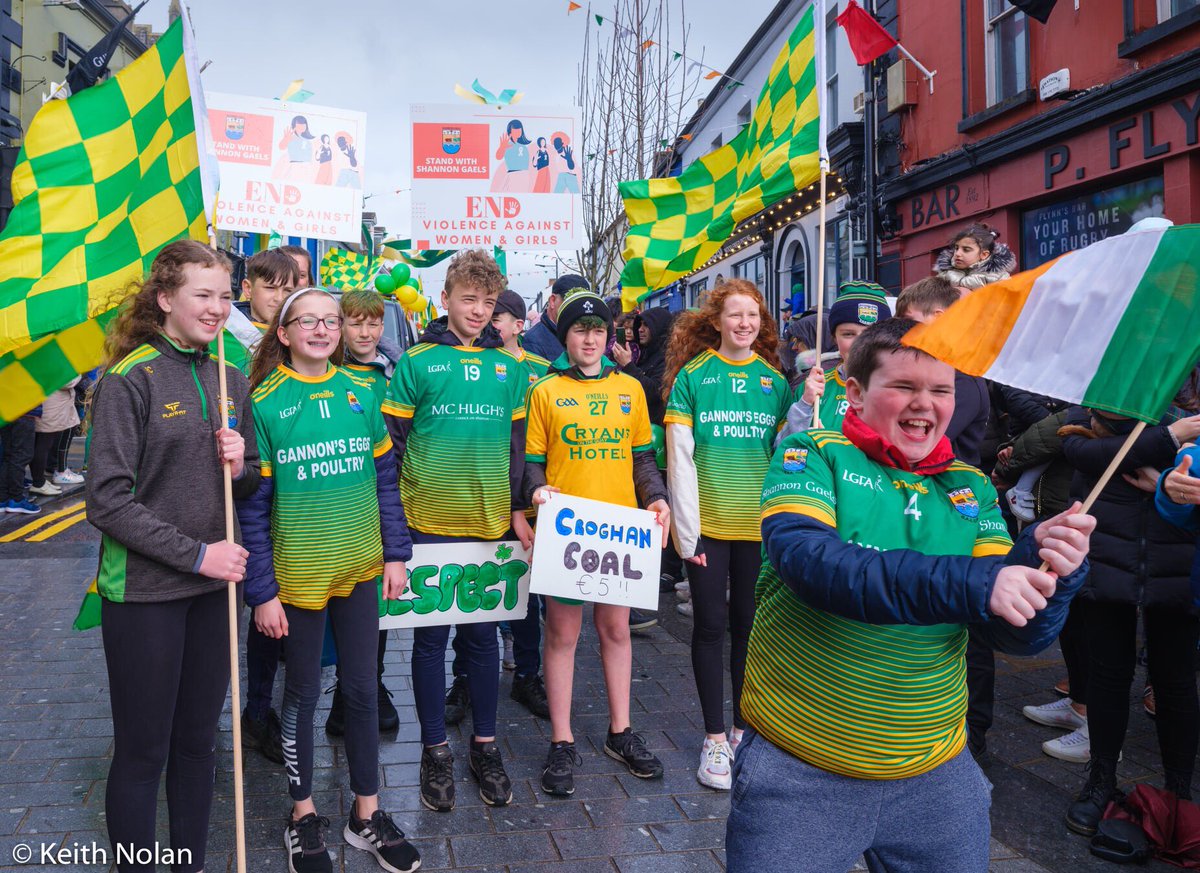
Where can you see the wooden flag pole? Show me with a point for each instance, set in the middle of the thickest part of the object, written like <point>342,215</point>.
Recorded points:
<point>816,418</point>
<point>1103,481</point>
<point>239,800</point>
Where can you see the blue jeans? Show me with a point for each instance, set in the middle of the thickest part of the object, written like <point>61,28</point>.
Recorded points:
<point>784,809</point>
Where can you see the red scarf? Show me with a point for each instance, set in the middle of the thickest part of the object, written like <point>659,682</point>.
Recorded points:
<point>880,450</point>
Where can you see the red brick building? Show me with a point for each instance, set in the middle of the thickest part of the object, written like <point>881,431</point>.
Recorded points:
<point>1056,135</point>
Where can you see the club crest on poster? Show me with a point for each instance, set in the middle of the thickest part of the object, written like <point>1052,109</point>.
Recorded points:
<point>508,178</point>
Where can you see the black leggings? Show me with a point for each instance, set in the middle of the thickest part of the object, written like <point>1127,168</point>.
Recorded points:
<point>45,450</point>
<point>1073,640</point>
<point>737,563</point>
<point>168,671</point>
<point>1171,634</point>
<point>355,622</point>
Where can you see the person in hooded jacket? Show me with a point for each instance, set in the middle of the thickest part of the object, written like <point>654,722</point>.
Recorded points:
<point>1137,559</point>
<point>974,258</point>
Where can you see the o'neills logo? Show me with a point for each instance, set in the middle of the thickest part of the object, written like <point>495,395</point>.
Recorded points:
<point>321,395</point>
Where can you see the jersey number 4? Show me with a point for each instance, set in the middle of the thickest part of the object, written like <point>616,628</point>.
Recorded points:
<point>911,509</point>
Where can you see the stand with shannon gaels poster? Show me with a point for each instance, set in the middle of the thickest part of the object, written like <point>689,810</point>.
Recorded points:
<point>295,169</point>
<point>507,177</point>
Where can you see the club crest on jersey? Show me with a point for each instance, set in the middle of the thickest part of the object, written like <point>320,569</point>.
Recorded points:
<point>965,502</point>
<point>502,372</point>
<point>230,413</point>
<point>626,403</point>
<point>795,460</point>
<point>767,385</point>
<point>868,313</point>
<point>355,406</point>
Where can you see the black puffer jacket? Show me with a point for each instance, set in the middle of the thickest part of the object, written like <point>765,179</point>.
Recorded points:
<point>652,365</point>
<point>1136,556</point>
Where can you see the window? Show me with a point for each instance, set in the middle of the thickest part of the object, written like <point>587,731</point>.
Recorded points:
<point>744,115</point>
<point>831,79</point>
<point>1007,50</point>
<point>716,143</point>
<point>1171,8</point>
<point>750,269</point>
<point>845,255</point>
<point>798,276</point>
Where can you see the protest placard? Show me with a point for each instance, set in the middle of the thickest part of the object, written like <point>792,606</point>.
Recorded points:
<point>601,552</point>
<point>460,583</point>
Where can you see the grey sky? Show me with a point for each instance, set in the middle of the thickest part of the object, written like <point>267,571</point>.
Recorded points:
<point>378,57</point>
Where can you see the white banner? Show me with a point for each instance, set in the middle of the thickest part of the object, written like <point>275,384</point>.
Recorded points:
<point>292,168</point>
<point>460,583</point>
<point>484,177</point>
<point>601,552</point>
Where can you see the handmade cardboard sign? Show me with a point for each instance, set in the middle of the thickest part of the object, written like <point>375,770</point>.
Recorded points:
<point>589,550</point>
<point>459,583</point>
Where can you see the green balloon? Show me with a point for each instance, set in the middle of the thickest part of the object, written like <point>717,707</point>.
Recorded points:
<point>414,283</point>
<point>384,284</point>
<point>401,273</point>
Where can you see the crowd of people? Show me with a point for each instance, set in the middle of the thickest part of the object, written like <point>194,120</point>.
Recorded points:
<point>841,524</point>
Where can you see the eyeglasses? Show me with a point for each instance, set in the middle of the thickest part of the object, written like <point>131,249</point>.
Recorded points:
<point>310,322</point>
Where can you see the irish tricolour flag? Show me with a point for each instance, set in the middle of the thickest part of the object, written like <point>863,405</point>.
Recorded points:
<point>1114,326</point>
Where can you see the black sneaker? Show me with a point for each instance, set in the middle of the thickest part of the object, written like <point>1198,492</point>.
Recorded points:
<point>558,776</point>
<point>641,621</point>
<point>530,692</point>
<point>380,836</point>
<point>458,700</point>
<point>335,725</point>
<point>389,719</point>
<point>305,842</point>
<point>437,778</point>
<point>630,749</point>
<point>666,583</point>
<point>264,735</point>
<point>487,767</point>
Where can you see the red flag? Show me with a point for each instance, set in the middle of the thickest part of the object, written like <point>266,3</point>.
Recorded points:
<point>868,39</point>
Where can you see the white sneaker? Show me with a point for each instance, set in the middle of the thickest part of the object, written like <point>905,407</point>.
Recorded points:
<point>68,477</point>
<point>46,489</point>
<point>1075,747</point>
<point>683,596</point>
<point>735,740</point>
<point>683,588</point>
<point>684,609</point>
<point>1060,713</point>
<point>716,765</point>
<point>1022,504</point>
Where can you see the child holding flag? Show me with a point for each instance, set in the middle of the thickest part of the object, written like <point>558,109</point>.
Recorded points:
<point>328,466</point>
<point>881,548</point>
<point>165,564</point>
<point>584,389</point>
<point>727,400</point>
<point>456,412</point>
<point>859,305</point>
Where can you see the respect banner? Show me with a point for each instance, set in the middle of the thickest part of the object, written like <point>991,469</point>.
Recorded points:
<point>460,583</point>
<point>485,178</point>
<point>292,168</point>
<point>595,551</point>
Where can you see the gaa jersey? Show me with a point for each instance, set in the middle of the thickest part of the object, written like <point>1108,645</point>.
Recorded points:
<point>319,438</point>
<point>833,403</point>
<point>462,401</point>
<point>869,701</point>
<point>535,366</point>
<point>586,430</point>
<point>735,409</point>
<point>373,377</point>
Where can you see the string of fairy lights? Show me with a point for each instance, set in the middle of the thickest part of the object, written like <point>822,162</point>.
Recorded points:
<point>772,219</point>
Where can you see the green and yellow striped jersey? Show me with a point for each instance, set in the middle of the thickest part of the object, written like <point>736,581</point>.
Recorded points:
<point>462,402</point>
<point>734,409</point>
<point>318,438</point>
<point>865,700</point>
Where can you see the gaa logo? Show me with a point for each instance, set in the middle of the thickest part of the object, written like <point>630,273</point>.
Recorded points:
<point>501,372</point>
<point>451,140</point>
<point>235,126</point>
<point>626,403</point>
<point>965,502</point>
<point>767,385</point>
<point>795,460</point>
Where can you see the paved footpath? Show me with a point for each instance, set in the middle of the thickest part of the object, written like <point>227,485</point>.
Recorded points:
<point>55,742</point>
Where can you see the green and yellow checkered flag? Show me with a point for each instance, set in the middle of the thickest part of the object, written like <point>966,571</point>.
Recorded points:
<point>104,180</point>
<point>677,224</point>
<point>344,269</point>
